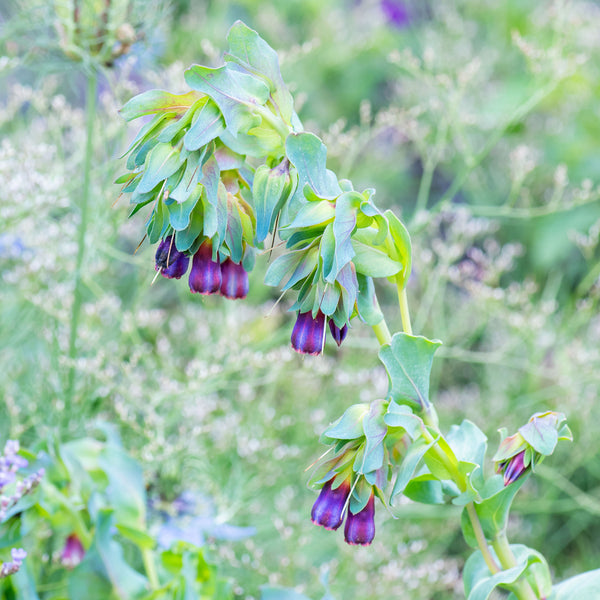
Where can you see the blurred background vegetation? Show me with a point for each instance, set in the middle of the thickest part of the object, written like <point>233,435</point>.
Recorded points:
<point>477,122</point>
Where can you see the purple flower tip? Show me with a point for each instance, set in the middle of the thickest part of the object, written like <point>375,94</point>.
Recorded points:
<point>514,468</point>
<point>73,552</point>
<point>234,280</point>
<point>171,263</point>
<point>339,335</point>
<point>308,334</point>
<point>205,274</point>
<point>360,527</point>
<point>328,510</point>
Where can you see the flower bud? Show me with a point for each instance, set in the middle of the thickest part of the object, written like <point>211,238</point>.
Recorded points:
<point>513,468</point>
<point>308,334</point>
<point>360,527</point>
<point>171,263</point>
<point>328,510</point>
<point>73,552</point>
<point>339,335</point>
<point>234,280</point>
<point>205,274</point>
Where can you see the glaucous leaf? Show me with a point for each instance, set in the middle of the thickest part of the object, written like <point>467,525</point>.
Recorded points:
<point>207,124</point>
<point>349,426</point>
<point>407,360</point>
<point>234,92</point>
<point>157,101</point>
<point>251,52</point>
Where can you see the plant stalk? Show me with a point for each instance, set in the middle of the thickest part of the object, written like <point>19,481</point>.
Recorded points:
<point>382,333</point>
<point>521,588</point>
<point>404,312</point>
<point>150,568</point>
<point>90,116</point>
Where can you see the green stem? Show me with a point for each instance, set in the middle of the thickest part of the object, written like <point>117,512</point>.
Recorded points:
<point>521,589</point>
<point>382,333</point>
<point>90,116</point>
<point>150,568</point>
<point>481,541</point>
<point>404,312</point>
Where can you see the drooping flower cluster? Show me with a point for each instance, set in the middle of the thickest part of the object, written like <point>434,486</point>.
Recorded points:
<point>195,164</point>
<point>358,471</point>
<point>207,276</point>
<point>333,504</point>
<point>73,552</point>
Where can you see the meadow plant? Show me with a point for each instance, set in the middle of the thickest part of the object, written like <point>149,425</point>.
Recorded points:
<point>225,170</point>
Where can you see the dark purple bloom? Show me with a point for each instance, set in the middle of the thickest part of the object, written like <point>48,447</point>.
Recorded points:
<point>395,12</point>
<point>339,335</point>
<point>514,468</point>
<point>234,280</point>
<point>171,263</point>
<point>73,552</point>
<point>328,510</point>
<point>205,275</point>
<point>360,527</point>
<point>308,334</point>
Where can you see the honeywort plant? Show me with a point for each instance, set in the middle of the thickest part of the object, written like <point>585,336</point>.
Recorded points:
<point>226,170</point>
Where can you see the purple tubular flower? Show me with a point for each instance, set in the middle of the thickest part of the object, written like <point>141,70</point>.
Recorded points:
<point>328,510</point>
<point>360,527</point>
<point>308,334</point>
<point>234,280</point>
<point>339,335</point>
<point>73,552</point>
<point>171,263</point>
<point>205,274</point>
<point>514,468</point>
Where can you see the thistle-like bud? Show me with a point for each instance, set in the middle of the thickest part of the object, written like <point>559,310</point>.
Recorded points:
<point>171,263</point>
<point>308,334</point>
<point>234,280</point>
<point>328,509</point>
<point>205,274</point>
<point>360,527</point>
<point>339,335</point>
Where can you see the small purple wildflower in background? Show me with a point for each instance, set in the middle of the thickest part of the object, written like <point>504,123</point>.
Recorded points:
<point>10,463</point>
<point>205,275</point>
<point>360,527</point>
<point>309,333</point>
<point>234,280</point>
<point>9,568</point>
<point>73,552</point>
<point>396,13</point>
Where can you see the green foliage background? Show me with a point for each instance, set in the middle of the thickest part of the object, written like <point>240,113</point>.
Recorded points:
<point>496,102</point>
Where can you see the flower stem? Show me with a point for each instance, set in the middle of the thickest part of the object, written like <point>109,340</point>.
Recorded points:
<point>90,115</point>
<point>382,333</point>
<point>521,589</point>
<point>404,312</point>
<point>480,537</point>
<point>150,568</point>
